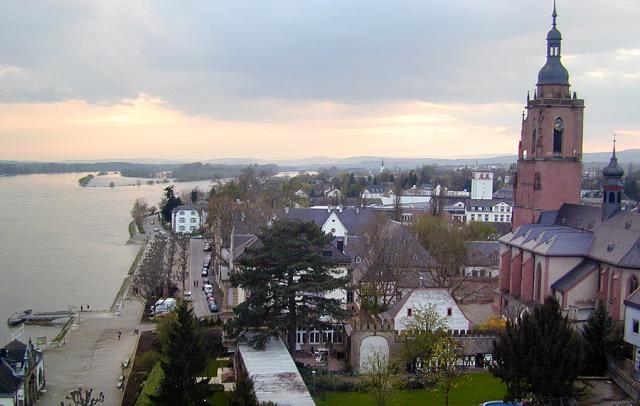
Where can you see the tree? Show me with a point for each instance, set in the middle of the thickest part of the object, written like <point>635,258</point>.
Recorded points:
<point>243,394</point>
<point>149,278</point>
<point>602,338</point>
<point>286,277</point>
<point>539,355</point>
<point>139,210</point>
<point>169,202</point>
<point>445,243</point>
<point>388,252</point>
<point>182,359</point>
<point>86,399</point>
<point>631,188</point>
<point>430,349</point>
<point>380,373</point>
<point>182,273</point>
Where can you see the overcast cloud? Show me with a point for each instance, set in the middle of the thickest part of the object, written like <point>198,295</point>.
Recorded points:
<point>293,62</point>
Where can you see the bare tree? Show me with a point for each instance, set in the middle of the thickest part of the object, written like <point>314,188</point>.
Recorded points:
<point>170,258</point>
<point>397,199</point>
<point>149,278</point>
<point>183,258</point>
<point>139,210</point>
<point>86,399</point>
<point>388,251</point>
<point>445,243</point>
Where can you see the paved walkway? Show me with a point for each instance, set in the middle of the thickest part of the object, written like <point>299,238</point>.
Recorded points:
<point>92,354</point>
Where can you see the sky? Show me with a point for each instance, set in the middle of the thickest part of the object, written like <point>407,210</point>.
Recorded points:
<point>197,80</point>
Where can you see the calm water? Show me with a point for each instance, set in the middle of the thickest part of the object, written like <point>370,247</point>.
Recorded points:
<point>63,245</point>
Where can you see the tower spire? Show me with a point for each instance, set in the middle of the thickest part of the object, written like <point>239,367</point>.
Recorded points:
<point>554,14</point>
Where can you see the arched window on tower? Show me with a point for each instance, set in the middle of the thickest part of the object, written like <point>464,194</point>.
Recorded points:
<point>612,197</point>
<point>557,141</point>
<point>632,284</point>
<point>533,140</point>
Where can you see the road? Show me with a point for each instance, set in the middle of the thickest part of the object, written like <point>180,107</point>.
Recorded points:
<point>196,258</point>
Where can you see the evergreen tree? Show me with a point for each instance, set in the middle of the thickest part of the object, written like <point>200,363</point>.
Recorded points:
<point>286,278</point>
<point>183,358</point>
<point>169,203</point>
<point>539,355</point>
<point>242,394</point>
<point>602,338</point>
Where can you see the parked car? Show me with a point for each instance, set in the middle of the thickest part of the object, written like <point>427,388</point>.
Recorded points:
<point>205,272</point>
<point>208,288</point>
<point>152,222</point>
<point>156,229</point>
<point>188,297</point>
<point>213,307</point>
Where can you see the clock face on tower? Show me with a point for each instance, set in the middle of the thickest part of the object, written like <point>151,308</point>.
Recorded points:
<point>558,125</point>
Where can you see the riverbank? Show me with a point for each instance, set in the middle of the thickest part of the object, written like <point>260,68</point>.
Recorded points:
<point>91,348</point>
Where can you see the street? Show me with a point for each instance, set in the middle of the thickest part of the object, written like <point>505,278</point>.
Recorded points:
<point>196,257</point>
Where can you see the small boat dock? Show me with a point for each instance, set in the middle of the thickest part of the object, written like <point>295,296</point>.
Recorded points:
<point>28,317</point>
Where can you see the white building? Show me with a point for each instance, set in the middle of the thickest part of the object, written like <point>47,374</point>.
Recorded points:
<point>632,327</point>
<point>402,311</point>
<point>332,193</point>
<point>488,211</point>
<point>481,185</point>
<point>186,219</point>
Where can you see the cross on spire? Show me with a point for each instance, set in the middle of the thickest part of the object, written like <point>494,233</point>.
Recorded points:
<point>555,14</point>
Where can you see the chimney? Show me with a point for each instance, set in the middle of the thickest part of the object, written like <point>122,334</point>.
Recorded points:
<point>286,210</point>
<point>340,208</point>
<point>357,209</point>
<point>329,208</point>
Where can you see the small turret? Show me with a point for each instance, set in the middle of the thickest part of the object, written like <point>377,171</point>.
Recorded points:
<point>612,186</point>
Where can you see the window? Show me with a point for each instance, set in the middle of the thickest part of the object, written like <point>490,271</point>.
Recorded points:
<point>193,219</point>
<point>473,217</point>
<point>449,311</point>
<point>193,212</point>
<point>192,228</point>
<point>635,326</point>
<point>314,337</point>
<point>181,220</point>
<point>538,282</point>
<point>557,141</point>
<point>358,260</point>
<point>537,181</point>
<point>486,217</point>
<point>181,212</point>
<point>409,312</point>
<point>182,228</point>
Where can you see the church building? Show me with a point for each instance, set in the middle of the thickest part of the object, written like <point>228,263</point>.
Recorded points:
<point>580,254</point>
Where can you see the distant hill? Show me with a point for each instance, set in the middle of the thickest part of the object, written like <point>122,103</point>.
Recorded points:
<point>369,162</point>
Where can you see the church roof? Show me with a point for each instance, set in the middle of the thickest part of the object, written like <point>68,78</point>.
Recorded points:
<point>580,231</point>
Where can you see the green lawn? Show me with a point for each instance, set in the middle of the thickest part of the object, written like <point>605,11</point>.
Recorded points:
<point>151,386</point>
<point>219,399</point>
<point>211,370</point>
<point>472,390</point>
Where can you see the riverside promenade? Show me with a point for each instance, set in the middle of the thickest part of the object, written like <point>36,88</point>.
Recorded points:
<point>91,354</point>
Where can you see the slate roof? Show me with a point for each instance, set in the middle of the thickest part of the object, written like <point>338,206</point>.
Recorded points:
<point>483,253</point>
<point>351,217</point>
<point>484,202</point>
<point>577,230</point>
<point>572,277</point>
<point>473,345</point>
<point>187,206</point>
<point>9,383</point>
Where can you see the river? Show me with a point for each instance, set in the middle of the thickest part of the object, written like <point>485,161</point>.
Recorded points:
<point>63,245</point>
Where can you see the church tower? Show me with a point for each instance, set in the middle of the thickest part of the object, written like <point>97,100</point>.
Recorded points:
<point>550,148</point>
<point>612,186</point>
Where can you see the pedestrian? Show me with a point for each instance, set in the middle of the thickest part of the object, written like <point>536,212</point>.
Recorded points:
<point>87,307</point>
<point>80,308</point>
<point>119,334</point>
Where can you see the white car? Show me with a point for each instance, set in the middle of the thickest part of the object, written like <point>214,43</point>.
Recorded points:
<point>188,297</point>
<point>208,288</point>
